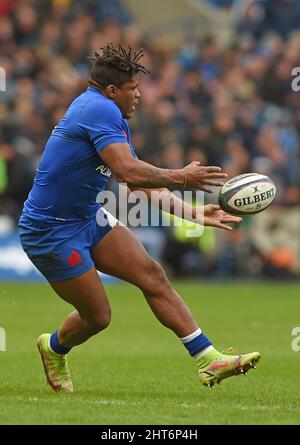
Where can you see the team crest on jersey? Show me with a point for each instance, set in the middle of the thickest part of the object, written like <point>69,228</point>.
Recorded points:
<point>74,259</point>
<point>104,170</point>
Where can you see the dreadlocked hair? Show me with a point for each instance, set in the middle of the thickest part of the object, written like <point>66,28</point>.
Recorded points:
<point>116,65</point>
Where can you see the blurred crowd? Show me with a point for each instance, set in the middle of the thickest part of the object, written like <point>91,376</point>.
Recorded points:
<point>233,107</point>
<point>263,15</point>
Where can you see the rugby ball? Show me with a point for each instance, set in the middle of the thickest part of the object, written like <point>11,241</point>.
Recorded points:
<point>247,194</point>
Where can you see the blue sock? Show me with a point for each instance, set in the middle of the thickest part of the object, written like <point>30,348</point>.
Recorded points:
<point>196,342</point>
<point>56,346</point>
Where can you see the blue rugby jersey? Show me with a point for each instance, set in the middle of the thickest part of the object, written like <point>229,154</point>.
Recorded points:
<point>71,173</point>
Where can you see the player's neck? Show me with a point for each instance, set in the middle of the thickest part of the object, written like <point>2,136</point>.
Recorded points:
<point>94,84</point>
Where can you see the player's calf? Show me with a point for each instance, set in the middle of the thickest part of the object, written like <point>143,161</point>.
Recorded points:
<point>98,322</point>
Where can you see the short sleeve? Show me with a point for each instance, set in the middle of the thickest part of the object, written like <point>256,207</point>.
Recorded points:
<point>103,124</point>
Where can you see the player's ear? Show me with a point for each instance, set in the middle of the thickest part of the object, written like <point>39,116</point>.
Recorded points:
<point>111,91</point>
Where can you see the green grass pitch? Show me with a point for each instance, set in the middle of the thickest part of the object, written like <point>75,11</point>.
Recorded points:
<point>137,372</point>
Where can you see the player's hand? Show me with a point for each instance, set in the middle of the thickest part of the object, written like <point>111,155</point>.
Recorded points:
<point>214,216</point>
<point>199,176</point>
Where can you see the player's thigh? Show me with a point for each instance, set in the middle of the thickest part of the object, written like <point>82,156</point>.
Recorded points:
<point>86,293</point>
<point>120,254</point>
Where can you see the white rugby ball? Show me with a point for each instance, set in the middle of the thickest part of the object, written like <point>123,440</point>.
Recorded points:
<point>247,194</point>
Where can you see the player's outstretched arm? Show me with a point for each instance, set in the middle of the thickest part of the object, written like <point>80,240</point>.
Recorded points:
<point>208,215</point>
<point>137,173</point>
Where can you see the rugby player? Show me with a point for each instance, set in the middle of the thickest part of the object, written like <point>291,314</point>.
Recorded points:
<point>69,237</point>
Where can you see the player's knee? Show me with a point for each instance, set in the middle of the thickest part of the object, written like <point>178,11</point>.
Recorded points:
<point>154,278</point>
<point>99,321</point>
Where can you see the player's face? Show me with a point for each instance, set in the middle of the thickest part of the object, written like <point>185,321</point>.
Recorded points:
<point>127,97</point>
